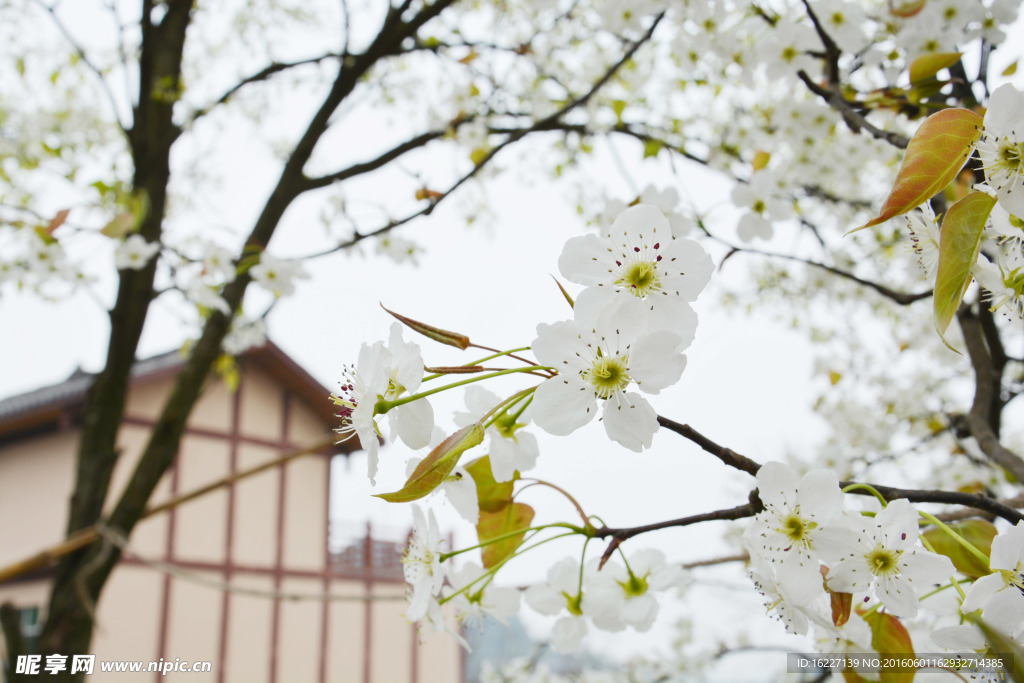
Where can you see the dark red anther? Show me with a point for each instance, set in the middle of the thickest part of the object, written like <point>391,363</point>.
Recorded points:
<point>659,258</point>
<point>636,249</point>
<point>903,537</point>
<point>618,263</point>
<point>657,244</point>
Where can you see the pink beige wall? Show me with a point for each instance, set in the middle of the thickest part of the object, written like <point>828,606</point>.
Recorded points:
<point>265,534</point>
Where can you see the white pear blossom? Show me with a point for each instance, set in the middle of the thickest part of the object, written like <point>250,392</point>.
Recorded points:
<point>924,238</point>
<point>277,275</point>
<point>561,592</point>
<point>482,598</point>
<point>218,263</point>
<point>639,258</point>
<point>421,564</point>
<point>510,447</point>
<point>789,531</point>
<point>134,253</point>
<point>882,555</point>
<point>244,334</point>
<point>1001,147</point>
<point>629,595</point>
<point>206,296</point>
<point>796,610</point>
<point>1004,289</point>
<point>1007,563</point>
<point>601,360</point>
<point>384,373</point>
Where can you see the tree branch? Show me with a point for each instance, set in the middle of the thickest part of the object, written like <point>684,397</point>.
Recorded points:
<point>854,120</point>
<point>987,385</point>
<point>901,298</point>
<point>263,74</point>
<point>745,464</point>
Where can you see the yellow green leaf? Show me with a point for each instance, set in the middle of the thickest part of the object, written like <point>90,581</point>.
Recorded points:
<point>652,147</point>
<point>761,159</point>
<point>928,65</point>
<point>977,532</point>
<point>491,495</point>
<point>934,156</point>
<point>436,467</point>
<point>227,368</point>
<point>1010,70</point>
<point>959,241</point>
<point>504,523</point>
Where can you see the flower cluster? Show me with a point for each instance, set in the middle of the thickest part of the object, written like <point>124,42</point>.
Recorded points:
<point>805,547</point>
<point>629,329</point>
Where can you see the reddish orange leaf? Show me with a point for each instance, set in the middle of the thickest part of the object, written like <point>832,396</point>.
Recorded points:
<point>934,157</point>
<point>455,339</point>
<point>890,638</point>
<point>906,9</point>
<point>57,220</point>
<point>432,195</point>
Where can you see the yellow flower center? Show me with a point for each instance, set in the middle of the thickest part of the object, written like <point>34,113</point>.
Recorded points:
<point>640,278</point>
<point>883,562</point>
<point>608,375</point>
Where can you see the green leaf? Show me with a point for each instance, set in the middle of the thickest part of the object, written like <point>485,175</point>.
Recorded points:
<point>619,106</point>
<point>930,64</point>
<point>934,156</point>
<point>977,532</point>
<point>652,147</point>
<point>890,638</point>
<point>455,339</point>
<point>516,517</point>
<point>491,495</point>
<point>959,241</point>
<point>1010,70</point>
<point>436,467</point>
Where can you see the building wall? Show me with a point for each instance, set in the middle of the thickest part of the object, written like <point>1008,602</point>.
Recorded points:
<point>265,535</point>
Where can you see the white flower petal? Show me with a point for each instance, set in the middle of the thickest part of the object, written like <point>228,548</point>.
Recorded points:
<point>563,404</point>
<point>630,420</point>
<point>587,260</point>
<point>655,361</point>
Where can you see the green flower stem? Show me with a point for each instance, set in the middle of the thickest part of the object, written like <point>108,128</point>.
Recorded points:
<point>519,413</point>
<point>575,530</point>
<point>494,570</point>
<point>482,360</point>
<point>382,406</point>
<point>932,519</point>
<point>583,556</point>
<point>867,487</point>
<point>494,414</point>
